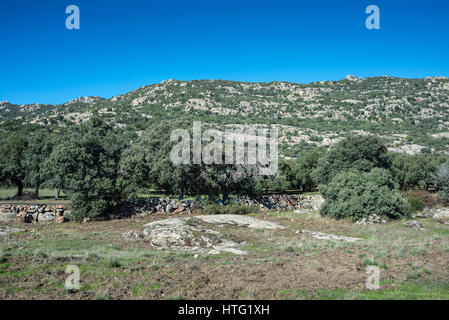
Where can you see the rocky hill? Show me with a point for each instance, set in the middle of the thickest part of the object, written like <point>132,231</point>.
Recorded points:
<point>411,114</point>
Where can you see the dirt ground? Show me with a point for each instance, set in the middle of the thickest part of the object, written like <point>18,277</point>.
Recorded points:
<point>281,264</point>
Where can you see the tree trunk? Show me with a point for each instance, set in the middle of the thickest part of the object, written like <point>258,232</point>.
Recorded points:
<point>57,193</point>
<point>36,192</point>
<point>19,188</point>
<point>225,194</point>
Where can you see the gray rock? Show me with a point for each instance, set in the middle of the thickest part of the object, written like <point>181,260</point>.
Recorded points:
<point>414,224</point>
<point>174,204</point>
<point>132,235</point>
<point>5,216</point>
<point>188,234</point>
<point>7,230</point>
<point>442,213</point>
<point>46,217</point>
<point>327,236</point>
<point>240,221</point>
<point>422,215</point>
<point>371,219</point>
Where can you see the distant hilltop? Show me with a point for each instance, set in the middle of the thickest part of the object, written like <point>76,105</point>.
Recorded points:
<point>407,112</point>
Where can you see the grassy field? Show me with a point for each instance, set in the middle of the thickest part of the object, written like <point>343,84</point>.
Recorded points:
<point>414,264</point>
<point>49,194</point>
<point>44,194</point>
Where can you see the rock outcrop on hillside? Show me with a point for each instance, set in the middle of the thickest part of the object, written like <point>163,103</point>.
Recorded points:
<point>317,113</point>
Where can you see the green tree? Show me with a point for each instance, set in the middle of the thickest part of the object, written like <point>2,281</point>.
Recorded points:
<point>146,163</point>
<point>87,168</point>
<point>13,170</point>
<point>441,179</point>
<point>353,194</point>
<point>39,147</point>
<point>302,170</point>
<point>412,171</point>
<point>361,153</point>
<point>239,179</point>
<point>278,182</point>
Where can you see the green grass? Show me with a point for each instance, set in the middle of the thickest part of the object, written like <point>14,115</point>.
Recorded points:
<point>47,250</point>
<point>412,290</point>
<point>44,194</point>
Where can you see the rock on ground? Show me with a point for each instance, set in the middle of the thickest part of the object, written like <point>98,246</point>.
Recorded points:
<point>187,234</point>
<point>442,213</point>
<point>371,219</point>
<point>327,236</point>
<point>414,224</point>
<point>240,221</point>
<point>7,230</point>
<point>8,216</point>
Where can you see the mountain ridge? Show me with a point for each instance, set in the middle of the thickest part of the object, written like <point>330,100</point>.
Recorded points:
<point>413,111</point>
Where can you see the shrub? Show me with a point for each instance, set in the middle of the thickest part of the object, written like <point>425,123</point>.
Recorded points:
<point>429,199</point>
<point>354,195</point>
<point>361,153</point>
<point>87,163</point>
<point>415,204</point>
<point>441,178</point>
<point>114,263</point>
<point>3,257</point>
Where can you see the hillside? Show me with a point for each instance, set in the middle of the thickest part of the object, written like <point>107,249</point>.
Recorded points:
<point>412,114</point>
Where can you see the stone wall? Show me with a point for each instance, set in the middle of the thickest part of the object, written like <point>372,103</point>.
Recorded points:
<point>30,213</point>
<point>285,202</point>
<point>36,213</point>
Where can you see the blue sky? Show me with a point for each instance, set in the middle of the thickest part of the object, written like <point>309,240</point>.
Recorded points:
<point>123,45</point>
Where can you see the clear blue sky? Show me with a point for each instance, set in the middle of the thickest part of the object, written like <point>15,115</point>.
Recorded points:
<point>123,45</point>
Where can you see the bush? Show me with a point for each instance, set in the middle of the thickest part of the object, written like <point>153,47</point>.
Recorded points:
<point>415,204</point>
<point>87,163</point>
<point>429,199</point>
<point>444,195</point>
<point>441,178</point>
<point>414,171</point>
<point>355,195</point>
<point>361,153</point>
<point>232,208</point>
<point>114,263</point>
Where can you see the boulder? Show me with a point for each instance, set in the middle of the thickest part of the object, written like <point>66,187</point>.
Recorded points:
<point>414,224</point>
<point>133,235</point>
<point>169,208</point>
<point>188,234</point>
<point>371,219</point>
<point>4,230</point>
<point>8,216</point>
<point>180,209</point>
<point>60,219</point>
<point>25,217</point>
<point>239,221</point>
<point>442,213</point>
<point>327,236</point>
<point>46,217</point>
